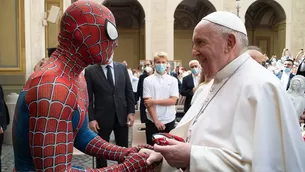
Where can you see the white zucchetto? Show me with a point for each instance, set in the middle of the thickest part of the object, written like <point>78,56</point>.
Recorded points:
<point>227,19</point>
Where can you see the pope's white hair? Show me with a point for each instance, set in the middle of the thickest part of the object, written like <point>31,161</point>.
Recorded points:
<point>193,61</point>
<point>241,39</point>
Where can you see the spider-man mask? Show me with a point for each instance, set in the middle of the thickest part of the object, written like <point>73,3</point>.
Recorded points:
<point>88,32</point>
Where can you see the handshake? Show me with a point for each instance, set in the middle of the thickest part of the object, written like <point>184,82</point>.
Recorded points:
<point>149,157</point>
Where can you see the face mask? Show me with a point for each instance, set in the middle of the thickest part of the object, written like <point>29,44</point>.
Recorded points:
<point>148,69</point>
<point>160,68</point>
<point>287,70</point>
<point>195,71</point>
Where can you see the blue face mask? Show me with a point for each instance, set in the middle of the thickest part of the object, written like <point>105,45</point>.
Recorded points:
<point>287,70</point>
<point>195,71</point>
<point>160,68</point>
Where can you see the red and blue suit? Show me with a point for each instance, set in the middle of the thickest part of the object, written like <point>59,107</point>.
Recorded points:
<point>51,111</point>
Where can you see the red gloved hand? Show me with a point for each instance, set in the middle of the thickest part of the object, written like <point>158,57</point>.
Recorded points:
<point>135,162</point>
<point>100,148</point>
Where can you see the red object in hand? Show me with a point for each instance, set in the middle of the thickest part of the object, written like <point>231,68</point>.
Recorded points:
<point>161,138</point>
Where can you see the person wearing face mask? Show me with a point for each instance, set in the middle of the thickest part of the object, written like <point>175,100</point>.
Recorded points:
<point>286,75</point>
<point>148,70</point>
<point>160,93</point>
<point>189,83</point>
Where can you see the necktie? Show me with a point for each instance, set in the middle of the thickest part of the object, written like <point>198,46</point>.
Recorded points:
<point>109,75</point>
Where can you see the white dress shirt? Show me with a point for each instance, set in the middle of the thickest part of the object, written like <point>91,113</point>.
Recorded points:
<point>134,83</point>
<point>104,67</point>
<point>195,80</point>
<point>285,79</point>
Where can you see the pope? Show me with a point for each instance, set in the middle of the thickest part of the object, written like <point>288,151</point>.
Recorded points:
<point>243,118</point>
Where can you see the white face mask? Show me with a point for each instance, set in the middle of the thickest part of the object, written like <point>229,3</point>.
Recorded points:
<point>148,69</point>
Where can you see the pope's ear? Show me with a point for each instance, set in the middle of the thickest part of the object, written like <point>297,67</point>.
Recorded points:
<point>230,43</point>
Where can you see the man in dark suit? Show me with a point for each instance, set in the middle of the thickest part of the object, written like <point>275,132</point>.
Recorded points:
<point>174,74</point>
<point>189,83</point>
<point>4,119</point>
<point>285,75</point>
<point>111,103</point>
<point>148,70</point>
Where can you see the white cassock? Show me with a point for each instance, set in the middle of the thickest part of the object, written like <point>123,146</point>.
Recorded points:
<point>199,90</point>
<point>245,123</point>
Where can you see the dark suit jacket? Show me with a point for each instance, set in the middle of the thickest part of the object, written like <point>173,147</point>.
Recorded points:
<point>140,89</point>
<point>187,91</point>
<point>280,74</point>
<point>176,76</point>
<point>4,114</point>
<point>105,101</point>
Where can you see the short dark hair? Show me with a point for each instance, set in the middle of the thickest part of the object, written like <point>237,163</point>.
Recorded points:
<point>150,61</point>
<point>253,47</point>
<point>289,60</point>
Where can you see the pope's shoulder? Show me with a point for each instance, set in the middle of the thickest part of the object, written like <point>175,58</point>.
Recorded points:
<point>255,75</point>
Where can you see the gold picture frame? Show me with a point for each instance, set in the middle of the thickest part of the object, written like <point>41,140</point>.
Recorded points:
<point>20,47</point>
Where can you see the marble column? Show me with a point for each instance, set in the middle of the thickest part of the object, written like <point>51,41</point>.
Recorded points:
<point>161,29</point>
<point>295,29</point>
<point>34,33</point>
<point>66,4</point>
<point>281,37</point>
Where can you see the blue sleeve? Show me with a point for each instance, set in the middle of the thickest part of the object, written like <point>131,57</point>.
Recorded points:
<point>84,135</point>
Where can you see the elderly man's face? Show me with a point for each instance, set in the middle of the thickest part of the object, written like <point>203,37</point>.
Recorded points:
<point>194,65</point>
<point>209,49</point>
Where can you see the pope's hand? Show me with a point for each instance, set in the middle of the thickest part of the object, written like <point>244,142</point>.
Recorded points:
<point>152,156</point>
<point>177,154</point>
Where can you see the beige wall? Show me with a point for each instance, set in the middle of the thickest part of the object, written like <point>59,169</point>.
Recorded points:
<point>297,26</point>
<point>183,46</point>
<point>12,50</point>
<point>52,29</point>
<point>267,40</point>
<point>8,30</point>
<point>131,47</point>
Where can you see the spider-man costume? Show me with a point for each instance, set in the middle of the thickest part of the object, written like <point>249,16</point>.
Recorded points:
<point>51,111</point>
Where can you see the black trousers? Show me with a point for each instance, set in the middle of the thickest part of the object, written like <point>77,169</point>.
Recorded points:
<point>143,112</point>
<point>135,97</point>
<point>121,139</point>
<point>152,129</point>
<point>1,142</point>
